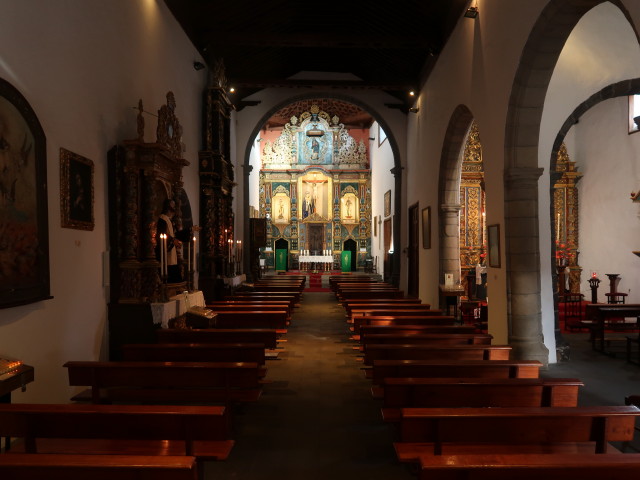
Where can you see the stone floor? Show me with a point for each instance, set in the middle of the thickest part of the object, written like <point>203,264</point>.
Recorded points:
<point>317,420</point>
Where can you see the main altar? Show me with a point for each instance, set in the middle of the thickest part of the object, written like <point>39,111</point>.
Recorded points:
<point>315,193</point>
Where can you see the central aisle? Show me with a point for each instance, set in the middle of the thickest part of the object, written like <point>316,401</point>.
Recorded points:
<point>316,418</point>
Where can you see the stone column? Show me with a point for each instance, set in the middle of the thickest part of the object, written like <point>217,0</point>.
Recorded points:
<point>450,242</point>
<point>523,264</point>
<point>396,258</point>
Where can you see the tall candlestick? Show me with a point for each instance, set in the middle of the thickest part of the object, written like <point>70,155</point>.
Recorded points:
<point>194,253</point>
<point>166,258</point>
<point>558,229</point>
<point>161,247</point>
<point>188,257</point>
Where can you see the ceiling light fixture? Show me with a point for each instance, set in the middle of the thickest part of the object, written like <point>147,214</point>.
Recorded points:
<point>232,90</point>
<point>198,65</point>
<point>472,12</point>
<point>412,93</point>
<point>414,109</point>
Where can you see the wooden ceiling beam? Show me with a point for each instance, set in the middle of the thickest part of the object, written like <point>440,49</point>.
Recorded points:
<point>401,84</point>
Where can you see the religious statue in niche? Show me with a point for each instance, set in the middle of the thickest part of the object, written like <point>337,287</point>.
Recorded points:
<point>308,204</point>
<point>280,208</point>
<point>349,208</point>
<point>315,198</point>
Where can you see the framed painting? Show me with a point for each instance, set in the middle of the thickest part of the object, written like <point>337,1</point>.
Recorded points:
<point>76,191</point>
<point>387,203</point>
<point>24,229</point>
<point>426,227</point>
<point>493,239</point>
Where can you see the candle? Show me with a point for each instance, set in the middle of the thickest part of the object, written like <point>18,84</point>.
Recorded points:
<point>558,229</point>
<point>166,259</point>
<point>194,253</point>
<point>161,247</point>
<point>188,256</point>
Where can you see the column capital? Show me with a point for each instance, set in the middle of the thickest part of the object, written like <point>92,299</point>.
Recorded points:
<point>247,169</point>
<point>451,208</point>
<point>395,171</point>
<point>522,175</point>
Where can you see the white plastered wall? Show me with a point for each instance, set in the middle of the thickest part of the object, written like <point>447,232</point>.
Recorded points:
<point>82,65</point>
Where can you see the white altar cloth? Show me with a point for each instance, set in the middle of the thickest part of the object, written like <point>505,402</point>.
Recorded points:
<point>177,305</point>
<point>315,258</point>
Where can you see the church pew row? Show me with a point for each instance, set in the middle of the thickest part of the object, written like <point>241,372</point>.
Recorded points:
<point>256,305</point>
<point>411,320</point>
<point>368,331</point>
<point>451,431</point>
<point>382,369</point>
<point>267,293</point>
<point>200,431</point>
<point>194,352</point>
<point>265,336</point>
<point>166,382</point>
<point>230,318</point>
<point>529,466</point>
<point>361,309</point>
<point>349,305</point>
<point>387,293</point>
<point>96,467</point>
<point>431,352</point>
<point>398,393</point>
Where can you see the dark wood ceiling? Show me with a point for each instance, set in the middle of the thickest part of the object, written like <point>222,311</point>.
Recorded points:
<point>389,46</point>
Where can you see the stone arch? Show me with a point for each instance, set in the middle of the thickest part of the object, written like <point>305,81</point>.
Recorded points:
<point>449,191</point>
<point>521,174</point>
<point>396,171</point>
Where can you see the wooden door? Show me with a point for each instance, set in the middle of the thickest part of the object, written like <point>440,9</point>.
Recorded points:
<point>413,252</point>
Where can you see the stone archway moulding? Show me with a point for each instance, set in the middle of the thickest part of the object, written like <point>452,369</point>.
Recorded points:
<point>522,134</point>
<point>396,171</point>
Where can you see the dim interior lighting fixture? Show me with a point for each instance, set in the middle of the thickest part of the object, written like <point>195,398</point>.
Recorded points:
<point>232,90</point>
<point>198,65</point>
<point>472,12</point>
<point>414,109</point>
<point>412,93</point>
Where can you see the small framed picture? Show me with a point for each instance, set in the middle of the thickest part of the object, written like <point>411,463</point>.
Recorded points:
<point>426,228</point>
<point>387,204</point>
<point>76,191</point>
<point>493,234</point>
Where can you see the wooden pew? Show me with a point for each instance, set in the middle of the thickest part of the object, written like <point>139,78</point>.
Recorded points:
<point>527,466</point>
<point>395,312</point>
<point>266,336</point>
<point>166,382</point>
<point>372,294</point>
<point>374,352</point>
<point>200,431</point>
<point>268,293</point>
<point>438,431</point>
<point>366,330</point>
<point>382,369</point>
<point>96,467</point>
<point>194,352</point>
<point>359,321</point>
<point>290,299</point>
<point>270,319</point>
<point>398,393</point>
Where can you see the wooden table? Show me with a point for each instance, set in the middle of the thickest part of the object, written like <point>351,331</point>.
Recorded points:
<point>600,315</point>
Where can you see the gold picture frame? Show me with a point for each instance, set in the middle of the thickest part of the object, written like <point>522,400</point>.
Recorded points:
<point>76,191</point>
<point>387,204</point>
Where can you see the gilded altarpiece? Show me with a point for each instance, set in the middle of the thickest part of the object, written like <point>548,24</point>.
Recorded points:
<point>217,180</point>
<point>472,219</point>
<point>565,218</point>
<point>315,189</point>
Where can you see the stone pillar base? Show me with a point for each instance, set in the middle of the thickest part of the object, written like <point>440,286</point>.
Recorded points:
<point>528,349</point>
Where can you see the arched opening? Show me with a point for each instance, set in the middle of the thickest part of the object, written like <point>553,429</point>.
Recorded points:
<point>281,260</point>
<point>527,140</point>
<point>323,190</point>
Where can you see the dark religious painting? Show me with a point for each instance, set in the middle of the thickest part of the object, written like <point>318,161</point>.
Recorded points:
<point>24,235</point>
<point>76,191</point>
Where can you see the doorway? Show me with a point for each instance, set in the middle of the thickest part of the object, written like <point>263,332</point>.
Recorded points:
<point>350,246</point>
<point>282,255</point>
<point>316,238</point>
<point>413,252</point>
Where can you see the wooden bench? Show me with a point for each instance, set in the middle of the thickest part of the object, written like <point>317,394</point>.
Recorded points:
<point>374,352</point>
<point>200,431</point>
<point>528,466</point>
<point>439,431</point>
<point>96,467</point>
<point>371,294</point>
<point>368,330</point>
<point>268,293</point>
<point>400,393</point>
<point>382,369</point>
<point>166,382</point>
<point>194,352</point>
<point>359,321</point>
<point>256,318</point>
<point>266,336</point>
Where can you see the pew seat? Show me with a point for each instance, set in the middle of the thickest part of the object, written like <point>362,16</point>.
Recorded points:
<point>200,431</point>
<point>96,467</point>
